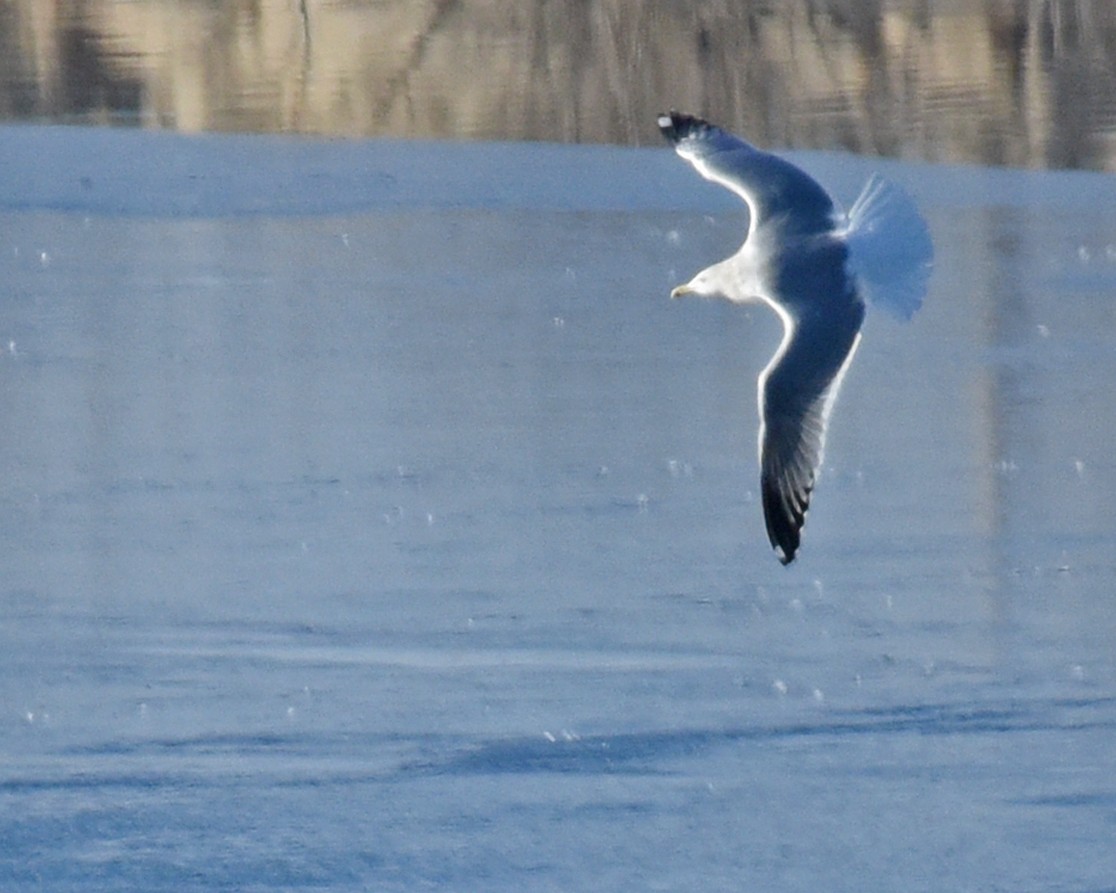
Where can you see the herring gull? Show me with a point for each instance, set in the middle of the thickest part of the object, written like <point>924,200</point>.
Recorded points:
<point>813,265</point>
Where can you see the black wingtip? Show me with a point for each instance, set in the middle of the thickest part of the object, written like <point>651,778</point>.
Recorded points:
<point>784,522</point>
<point>785,551</point>
<point>676,126</point>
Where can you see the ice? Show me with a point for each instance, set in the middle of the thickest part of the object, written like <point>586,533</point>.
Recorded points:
<point>332,561</point>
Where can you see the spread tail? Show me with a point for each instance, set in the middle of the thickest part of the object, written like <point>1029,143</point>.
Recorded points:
<point>889,247</point>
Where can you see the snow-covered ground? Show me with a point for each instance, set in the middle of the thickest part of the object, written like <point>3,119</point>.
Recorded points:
<point>372,520</point>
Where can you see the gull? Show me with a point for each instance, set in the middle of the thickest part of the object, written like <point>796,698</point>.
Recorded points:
<point>813,265</point>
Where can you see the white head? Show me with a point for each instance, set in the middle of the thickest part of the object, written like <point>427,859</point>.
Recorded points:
<point>717,281</point>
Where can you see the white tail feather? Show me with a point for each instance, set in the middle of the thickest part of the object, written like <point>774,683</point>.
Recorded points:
<point>889,247</point>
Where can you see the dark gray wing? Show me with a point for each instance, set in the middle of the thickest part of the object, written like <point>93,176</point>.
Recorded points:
<point>770,185</point>
<point>797,392</point>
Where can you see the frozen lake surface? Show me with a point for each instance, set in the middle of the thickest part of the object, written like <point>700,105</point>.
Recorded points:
<point>372,520</point>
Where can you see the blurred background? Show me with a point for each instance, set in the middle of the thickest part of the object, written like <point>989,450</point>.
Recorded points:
<point>1027,83</point>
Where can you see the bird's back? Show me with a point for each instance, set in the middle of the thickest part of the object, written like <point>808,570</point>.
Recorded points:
<point>807,274</point>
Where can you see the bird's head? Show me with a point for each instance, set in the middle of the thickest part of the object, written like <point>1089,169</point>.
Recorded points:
<point>711,282</point>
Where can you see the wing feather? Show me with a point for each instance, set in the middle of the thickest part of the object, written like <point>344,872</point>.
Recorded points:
<point>797,392</point>
<point>771,186</point>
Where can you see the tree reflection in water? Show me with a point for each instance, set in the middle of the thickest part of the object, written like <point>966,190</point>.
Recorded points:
<point>1006,82</point>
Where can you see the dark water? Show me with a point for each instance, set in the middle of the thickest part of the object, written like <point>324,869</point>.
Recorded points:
<point>402,534</point>
<point>1028,84</point>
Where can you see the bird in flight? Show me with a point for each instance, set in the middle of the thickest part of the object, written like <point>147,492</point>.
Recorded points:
<point>813,265</point>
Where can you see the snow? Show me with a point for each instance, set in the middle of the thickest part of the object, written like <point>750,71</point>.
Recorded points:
<point>335,563</point>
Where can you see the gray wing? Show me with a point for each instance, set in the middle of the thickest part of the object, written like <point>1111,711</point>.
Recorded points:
<point>770,185</point>
<point>797,392</point>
